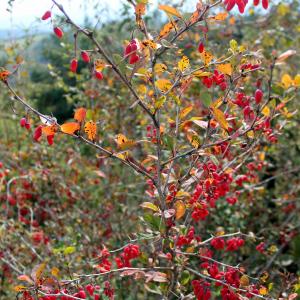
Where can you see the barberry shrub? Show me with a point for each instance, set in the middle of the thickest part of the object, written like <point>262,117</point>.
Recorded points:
<point>195,123</point>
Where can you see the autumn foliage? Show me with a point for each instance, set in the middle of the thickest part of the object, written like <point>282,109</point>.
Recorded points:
<point>155,187</point>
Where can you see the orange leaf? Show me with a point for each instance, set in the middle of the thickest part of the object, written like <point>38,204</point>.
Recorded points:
<point>221,16</point>
<point>140,9</point>
<point>37,272</point>
<point>70,128</point>
<point>49,130</point>
<point>90,129</point>
<point>4,74</point>
<point>225,69</point>
<point>170,10</point>
<point>80,114</point>
<point>180,209</point>
<point>123,142</point>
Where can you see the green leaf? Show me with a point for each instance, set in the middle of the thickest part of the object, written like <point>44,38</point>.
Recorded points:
<point>69,250</point>
<point>185,277</point>
<point>206,99</point>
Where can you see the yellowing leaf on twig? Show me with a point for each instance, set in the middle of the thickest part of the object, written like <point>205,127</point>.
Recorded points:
<point>165,31</point>
<point>159,68</point>
<point>179,209</point>
<point>225,69</point>
<point>150,205</point>
<point>206,57</point>
<point>220,117</point>
<point>170,10</point>
<point>200,73</point>
<point>221,16</point>
<point>163,84</point>
<point>183,64</point>
<point>70,128</point>
<point>184,112</point>
<point>90,128</point>
<point>123,142</point>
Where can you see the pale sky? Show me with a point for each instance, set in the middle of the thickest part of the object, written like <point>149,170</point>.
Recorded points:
<point>26,12</point>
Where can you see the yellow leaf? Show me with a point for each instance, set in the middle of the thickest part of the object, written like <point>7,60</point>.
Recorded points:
<point>123,142</point>
<point>200,73</point>
<point>19,288</point>
<point>160,102</point>
<point>100,65</point>
<point>263,291</point>
<point>183,64</point>
<point>179,209</point>
<point>159,68</point>
<point>170,10</point>
<point>123,155</point>
<point>55,272</point>
<point>185,111</point>
<point>244,281</point>
<point>80,114</point>
<point>220,117</point>
<point>70,128</point>
<point>297,80</point>
<point>163,84</point>
<point>221,16</point>
<point>266,111</point>
<point>225,69</point>
<point>37,272</point>
<point>150,205</point>
<point>287,81</point>
<point>69,250</point>
<point>90,128</point>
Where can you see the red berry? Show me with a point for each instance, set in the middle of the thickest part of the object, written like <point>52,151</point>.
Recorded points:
<point>27,125</point>
<point>23,122</point>
<point>258,96</point>
<point>37,133</point>
<point>50,139</point>
<point>134,58</point>
<point>256,2</point>
<point>59,33</point>
<point>127,50</point>
<point>85,56</point>
<point>230,4</point>
<point>74,65</point>
<point>265,4</point>
<point>98,75</point>
<point>46,15</point>
<point>201,47</point>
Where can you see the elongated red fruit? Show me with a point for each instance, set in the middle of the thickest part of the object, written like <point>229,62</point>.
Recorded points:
<point>98,75</point>
<point>255,2</point>
<point>23,122</point>
<point>85,56</point>
<point>265,4</point>
<point>58,32</point>
<point>46,15</point>
<point>134,58</point>
<point>50,139</point>
<point>37,133</point>
<point>74,65</point>
<point>258,96</point>
<point>201,47</point>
